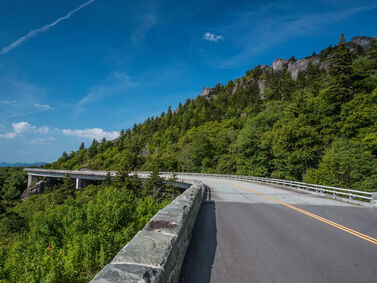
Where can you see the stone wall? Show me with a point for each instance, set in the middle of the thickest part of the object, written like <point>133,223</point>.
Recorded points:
<point>156,253</point>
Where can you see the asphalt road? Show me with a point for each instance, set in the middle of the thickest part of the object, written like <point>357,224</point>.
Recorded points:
<point>248,232</point>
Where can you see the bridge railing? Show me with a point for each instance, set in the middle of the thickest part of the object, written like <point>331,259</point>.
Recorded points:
<point>338,193</point>
<point>352,195</point>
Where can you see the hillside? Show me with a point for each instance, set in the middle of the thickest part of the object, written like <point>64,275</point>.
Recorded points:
<point>313,119</point>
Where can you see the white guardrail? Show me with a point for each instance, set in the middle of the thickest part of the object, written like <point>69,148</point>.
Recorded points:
<point>334,192</point>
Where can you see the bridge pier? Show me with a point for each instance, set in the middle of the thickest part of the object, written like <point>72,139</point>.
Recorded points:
<point>31,179</point>
<point>78,183</point>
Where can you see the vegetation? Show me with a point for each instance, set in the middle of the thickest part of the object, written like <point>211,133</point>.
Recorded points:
<point>12,183</point>
<point>68,235</point>
<point>289,131</point>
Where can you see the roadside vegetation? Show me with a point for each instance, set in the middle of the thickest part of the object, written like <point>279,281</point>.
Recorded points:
<point>68,235</point>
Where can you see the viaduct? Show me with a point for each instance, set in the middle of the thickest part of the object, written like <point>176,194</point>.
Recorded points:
<point>227,228</point>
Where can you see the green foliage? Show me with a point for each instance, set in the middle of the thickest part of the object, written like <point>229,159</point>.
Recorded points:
<point>44,240</point>
<point>13,182</point>
<point>346,164</point>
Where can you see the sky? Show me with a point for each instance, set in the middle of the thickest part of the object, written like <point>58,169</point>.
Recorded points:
<point>75,70</point>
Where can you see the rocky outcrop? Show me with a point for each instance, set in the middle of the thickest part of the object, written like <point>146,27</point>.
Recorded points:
<point>363,41</point>
<point>37,189</point>
<point>261,86</point>
<point>279,64</point>
<point>294,67</point>
<point>207,92</point>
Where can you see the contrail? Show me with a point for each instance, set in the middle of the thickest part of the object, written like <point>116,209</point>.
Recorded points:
<point>43,29</point>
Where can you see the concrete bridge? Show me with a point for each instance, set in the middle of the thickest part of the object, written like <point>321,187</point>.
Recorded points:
<point>79,175</point>
<point>252,229</point>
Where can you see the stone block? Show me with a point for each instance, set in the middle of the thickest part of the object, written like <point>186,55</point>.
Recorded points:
<point>128,273</point>
<point>147,248</point>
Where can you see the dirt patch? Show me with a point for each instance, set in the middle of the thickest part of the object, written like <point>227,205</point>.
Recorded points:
<point>160,224</point>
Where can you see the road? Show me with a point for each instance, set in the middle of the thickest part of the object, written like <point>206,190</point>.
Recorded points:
<point>250,232</point>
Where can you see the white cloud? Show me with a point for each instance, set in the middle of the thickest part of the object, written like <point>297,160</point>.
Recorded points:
<point>35,32</point>
<point>43,130</point>
<point>24,127</point>
<point>95,133</point>
<point>212,37</point>
<point>43,106</point>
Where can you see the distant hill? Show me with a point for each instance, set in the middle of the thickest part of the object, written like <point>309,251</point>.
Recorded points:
<point>20,164</point>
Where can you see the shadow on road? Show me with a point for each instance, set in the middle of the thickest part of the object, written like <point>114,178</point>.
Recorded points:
<point>200,255</point>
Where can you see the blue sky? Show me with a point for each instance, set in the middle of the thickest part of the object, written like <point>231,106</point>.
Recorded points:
<point>75,70</point>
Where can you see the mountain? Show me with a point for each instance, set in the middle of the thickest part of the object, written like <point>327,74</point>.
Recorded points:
<point>20,164</point>
<point>312,119</point>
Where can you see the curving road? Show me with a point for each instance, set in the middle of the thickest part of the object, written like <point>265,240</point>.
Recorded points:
<point>249,232</point>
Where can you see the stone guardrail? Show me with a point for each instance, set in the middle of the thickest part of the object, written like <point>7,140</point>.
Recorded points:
<point>157,252</point>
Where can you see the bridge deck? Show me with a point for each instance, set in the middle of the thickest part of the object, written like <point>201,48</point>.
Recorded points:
<point>250,232</point>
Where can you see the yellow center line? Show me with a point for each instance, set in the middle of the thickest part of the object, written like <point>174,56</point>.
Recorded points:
<point>334,224</point>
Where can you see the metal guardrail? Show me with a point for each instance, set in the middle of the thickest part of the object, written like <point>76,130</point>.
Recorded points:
<point>318,189</point>
<point>352,195</point>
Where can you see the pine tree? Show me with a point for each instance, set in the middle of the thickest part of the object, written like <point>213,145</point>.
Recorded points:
<point>170,186</point>
<point>155,184</point>
<point>340,72</point>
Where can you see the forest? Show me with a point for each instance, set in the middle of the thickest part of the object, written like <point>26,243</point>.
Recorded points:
<point>319,127</point>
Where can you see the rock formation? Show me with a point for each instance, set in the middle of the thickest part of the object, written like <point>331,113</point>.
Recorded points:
<point>206,92</point>
<point>279,64</point>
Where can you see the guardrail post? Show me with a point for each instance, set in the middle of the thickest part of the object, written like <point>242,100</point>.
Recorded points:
<point>374,200</point>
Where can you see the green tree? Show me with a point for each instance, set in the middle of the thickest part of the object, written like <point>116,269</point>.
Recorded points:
<point>347,164</point>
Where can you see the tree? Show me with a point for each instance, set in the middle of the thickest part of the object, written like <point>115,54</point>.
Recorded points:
<point>108,179</point>
<point>170,186</point>
<point>82,146</point>
<point>93,149</point>
<point>155,184</point>
<point>14,185</point>
<point>346,164</point>
<point>68,183</point>
<point>340,89</point>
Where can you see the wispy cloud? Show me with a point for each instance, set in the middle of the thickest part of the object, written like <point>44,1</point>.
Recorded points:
<point>7,102</point>
<point>95,133</point>
<point>24,127</point>
<point>45,28</point>
<point>21,98</point>
<point>260,34</point>
<point>42,141</point>
<point>147,21</point>
<point>115,83</point>
<point>43,106</point>
<point>212,37</point>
